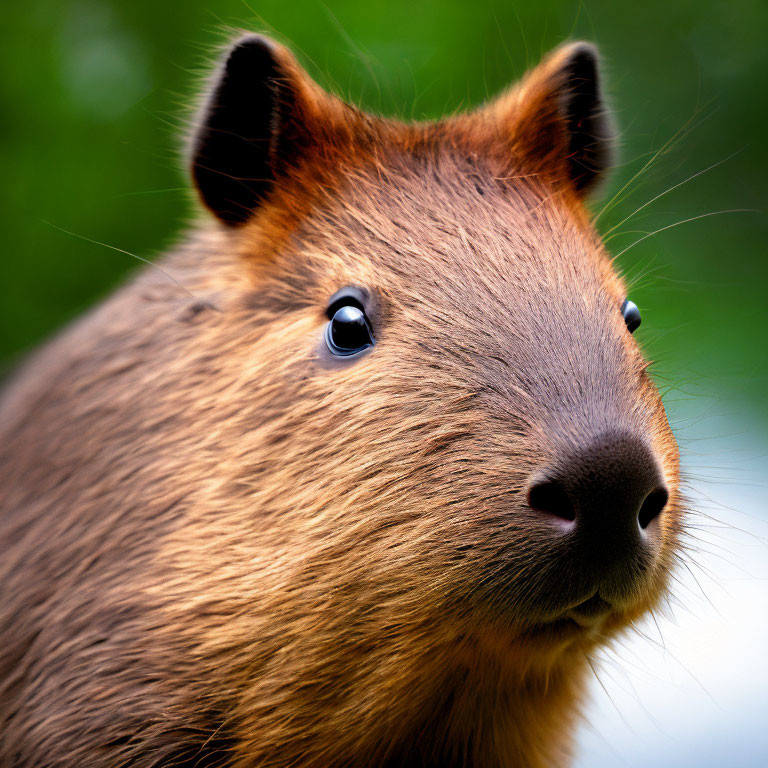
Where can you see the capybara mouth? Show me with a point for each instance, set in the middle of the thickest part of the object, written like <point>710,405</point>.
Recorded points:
<point>583,618</point>
<point>591,612</point>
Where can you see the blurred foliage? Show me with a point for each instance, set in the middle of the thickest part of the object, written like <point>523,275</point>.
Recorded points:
<point>96,96</point>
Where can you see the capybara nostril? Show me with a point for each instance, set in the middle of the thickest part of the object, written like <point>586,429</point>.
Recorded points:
<point>653,506</point>
<point>551,498</point>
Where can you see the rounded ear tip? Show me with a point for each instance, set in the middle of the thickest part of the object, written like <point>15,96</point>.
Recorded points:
<point>251,45</point>
<point>577,56</point>
<point>256,51</point>
<point>252,40</point>
<point>578,61</point>
<point>582,49</point>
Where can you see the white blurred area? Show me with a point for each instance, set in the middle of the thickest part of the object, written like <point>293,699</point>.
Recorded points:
<point>694,690</point>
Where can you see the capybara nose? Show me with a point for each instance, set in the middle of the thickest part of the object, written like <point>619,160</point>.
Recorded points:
<point>609,492</point>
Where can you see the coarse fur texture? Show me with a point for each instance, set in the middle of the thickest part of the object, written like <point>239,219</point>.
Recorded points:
<point>222,546</point>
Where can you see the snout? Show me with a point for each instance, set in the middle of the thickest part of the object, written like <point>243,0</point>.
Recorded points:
<point>605,500</point>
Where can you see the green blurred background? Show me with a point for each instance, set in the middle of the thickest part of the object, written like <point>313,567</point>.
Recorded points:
<point>95,95</point>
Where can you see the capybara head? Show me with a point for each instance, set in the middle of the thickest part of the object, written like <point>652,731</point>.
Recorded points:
<point>412,466</point>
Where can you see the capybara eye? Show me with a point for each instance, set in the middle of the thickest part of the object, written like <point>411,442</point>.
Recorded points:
<point>348,331</point>
<point>631,315</point>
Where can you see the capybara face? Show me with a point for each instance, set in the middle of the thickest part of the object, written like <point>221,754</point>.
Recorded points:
<point>377,494</point>
<point>483,438</point>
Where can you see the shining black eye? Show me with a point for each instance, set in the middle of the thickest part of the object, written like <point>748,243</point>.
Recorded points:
<point>348,331</point>
<point>631,315</point>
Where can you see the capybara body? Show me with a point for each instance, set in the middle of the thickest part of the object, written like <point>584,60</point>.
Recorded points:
<point>251,529</point>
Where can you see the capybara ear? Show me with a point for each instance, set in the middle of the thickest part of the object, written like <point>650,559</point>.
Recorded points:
<point>258,120</point>
<point>557,120</point>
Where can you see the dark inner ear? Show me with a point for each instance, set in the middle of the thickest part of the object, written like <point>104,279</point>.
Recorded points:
<point>231,153</point>
<point>589,126</point>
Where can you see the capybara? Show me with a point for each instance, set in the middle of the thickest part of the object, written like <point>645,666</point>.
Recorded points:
<point>365,483</point>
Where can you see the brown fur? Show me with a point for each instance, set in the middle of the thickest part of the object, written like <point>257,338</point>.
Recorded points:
<point>222,547</point>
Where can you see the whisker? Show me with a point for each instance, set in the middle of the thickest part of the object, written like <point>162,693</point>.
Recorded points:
<point>127,253</point>
<point>686,128</point>
<point>666,192</point>
<point>684,221</point>
<point>605,690</point>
